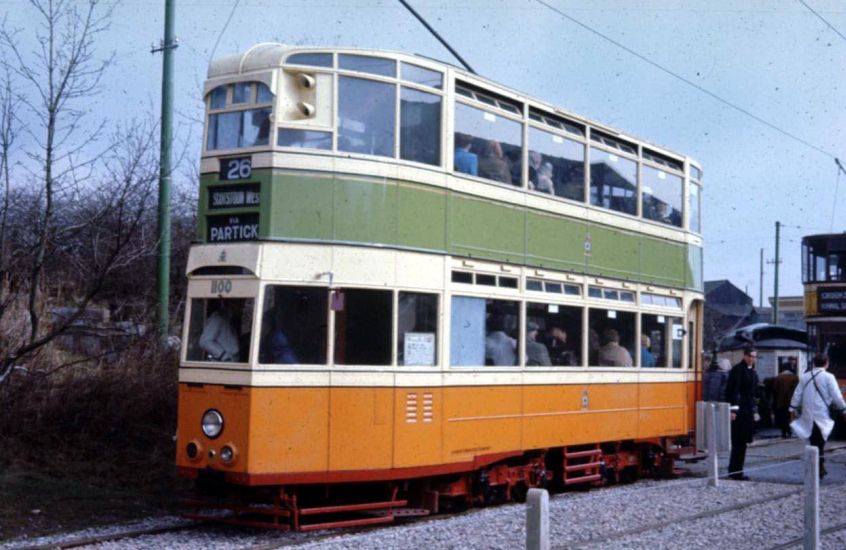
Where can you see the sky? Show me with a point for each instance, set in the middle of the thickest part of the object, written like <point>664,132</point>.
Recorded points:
<point>774,59</point>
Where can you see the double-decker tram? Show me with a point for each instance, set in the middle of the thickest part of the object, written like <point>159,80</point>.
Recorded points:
<point>824,281</point>
<point>418,289</point>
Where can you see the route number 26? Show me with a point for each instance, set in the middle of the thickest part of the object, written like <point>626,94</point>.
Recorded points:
<point>237,169</point>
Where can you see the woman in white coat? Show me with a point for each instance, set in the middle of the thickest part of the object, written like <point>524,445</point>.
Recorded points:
<point>817,390</point>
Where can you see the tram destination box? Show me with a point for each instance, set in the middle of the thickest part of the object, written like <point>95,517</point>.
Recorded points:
<point>234,196</point>
<point>233,227</point>
<point>831,300</point>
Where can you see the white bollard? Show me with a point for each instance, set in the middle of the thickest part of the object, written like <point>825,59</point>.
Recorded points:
<point>711,441</point>
<point>537,520</point>
<point>812,498</point>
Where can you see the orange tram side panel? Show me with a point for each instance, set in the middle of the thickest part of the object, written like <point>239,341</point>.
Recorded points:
<point>316,435</point>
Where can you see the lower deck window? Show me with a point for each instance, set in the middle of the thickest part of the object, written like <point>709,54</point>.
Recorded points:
<point>363,326</point>
<point>417,329</point>
<point>220,330</point>
<point>484,332</point>
<point>553,335</point>
<point>611,338</point>
<point>293,326</point>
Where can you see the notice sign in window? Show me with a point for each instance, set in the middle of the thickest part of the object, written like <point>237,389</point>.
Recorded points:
<point>241,227</point>
<point>234,196</point>
<point>419,348</point>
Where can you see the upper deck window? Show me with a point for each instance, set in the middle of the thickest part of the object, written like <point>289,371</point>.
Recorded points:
<point>311,59</point>
<point>694,200</point>
<point>695,173</point>
<point>420,126</point>
<point>489,98</point>
<point>657,158</point>
<point>487,145</point>
<point>661,196</point>
<point>239,127</point>
<point>557,122</point>
<point>366,114</point>
<point>419,75</point>
<point>613,143</point>
<point>613,181</point>
<point>556,165</point>
<point>368,64</point>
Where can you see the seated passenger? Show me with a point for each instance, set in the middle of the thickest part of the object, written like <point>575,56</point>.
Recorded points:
<point>219,340</point>
<point>500,349</point>
<point>492,164</point>
<point>544,184</point>
<point>559,354</point>
<point>465,161</point>
<point>646,357</point>
<point>665,214</point>
<point>535,159</point>
<point>536,353</point>
<point>612,354</point>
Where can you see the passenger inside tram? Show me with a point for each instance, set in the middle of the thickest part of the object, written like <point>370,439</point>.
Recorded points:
<point>559,352</point>
<point>536,353</point>
<point>493,164</point>
<point>612,354</point>
<point>466,161</point>
<point>500,348</point>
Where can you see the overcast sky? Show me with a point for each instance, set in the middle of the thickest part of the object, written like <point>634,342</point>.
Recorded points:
<point>775,59</point>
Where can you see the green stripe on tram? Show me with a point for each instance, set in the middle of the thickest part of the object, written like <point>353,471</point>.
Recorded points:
<point>349,209</point>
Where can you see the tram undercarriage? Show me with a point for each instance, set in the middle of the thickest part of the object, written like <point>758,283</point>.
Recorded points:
<point>507,479</point>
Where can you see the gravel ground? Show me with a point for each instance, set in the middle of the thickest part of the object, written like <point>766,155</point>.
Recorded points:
<point>683,513</point>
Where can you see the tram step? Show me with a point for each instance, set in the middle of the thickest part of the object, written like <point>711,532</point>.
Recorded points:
<point>582,467</point>
<point>582,479</point>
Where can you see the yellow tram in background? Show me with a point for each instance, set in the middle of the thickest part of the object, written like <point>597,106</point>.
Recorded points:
<point>418,289</point>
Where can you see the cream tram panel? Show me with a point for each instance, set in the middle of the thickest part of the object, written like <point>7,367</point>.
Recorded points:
<point>301,263</point>
<point>364,266</point>
<point>246,255</point>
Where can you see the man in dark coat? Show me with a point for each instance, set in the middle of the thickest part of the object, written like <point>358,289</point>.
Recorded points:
<point>741,393</point>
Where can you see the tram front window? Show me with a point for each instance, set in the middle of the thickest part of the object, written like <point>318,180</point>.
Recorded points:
<point>366,112</point>
<point>363,326</point>
<point>220,330</point>
<point>293,326</point>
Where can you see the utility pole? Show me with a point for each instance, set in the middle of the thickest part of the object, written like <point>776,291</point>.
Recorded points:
<point>775,279</point>
<point>761,282</point>
<point>163,280</point>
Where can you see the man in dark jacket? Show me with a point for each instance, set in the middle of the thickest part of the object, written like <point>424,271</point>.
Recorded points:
<point>741,393</point>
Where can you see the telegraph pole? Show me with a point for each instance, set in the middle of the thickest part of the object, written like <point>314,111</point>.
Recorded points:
<point>775,282</point>
<point>761,282</point>
<point>167,46</point>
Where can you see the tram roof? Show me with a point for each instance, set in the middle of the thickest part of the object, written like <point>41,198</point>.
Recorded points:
<point>272,55</point>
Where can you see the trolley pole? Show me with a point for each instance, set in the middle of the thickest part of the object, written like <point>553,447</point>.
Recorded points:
<point>163,279</point>
<point>775,284</point>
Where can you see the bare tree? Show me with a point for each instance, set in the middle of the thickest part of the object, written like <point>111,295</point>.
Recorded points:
<point>87,201</point>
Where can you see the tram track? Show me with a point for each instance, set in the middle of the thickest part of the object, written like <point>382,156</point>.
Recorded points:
<point>114,536</point>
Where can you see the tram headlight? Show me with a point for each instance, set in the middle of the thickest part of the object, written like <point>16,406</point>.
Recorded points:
<point>212,423</point>
<point>227,454</point>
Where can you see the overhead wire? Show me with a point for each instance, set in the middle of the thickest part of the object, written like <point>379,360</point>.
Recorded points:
<point>689,82</point>
<point>223,30</point>
<point>823,19</point>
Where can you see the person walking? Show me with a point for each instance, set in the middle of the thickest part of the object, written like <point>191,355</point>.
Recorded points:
<point>741,393</point>
<point>783,387</point>
<point>816,393</point>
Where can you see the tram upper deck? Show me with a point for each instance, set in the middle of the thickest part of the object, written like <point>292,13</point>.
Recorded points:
<point>378,148</point>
